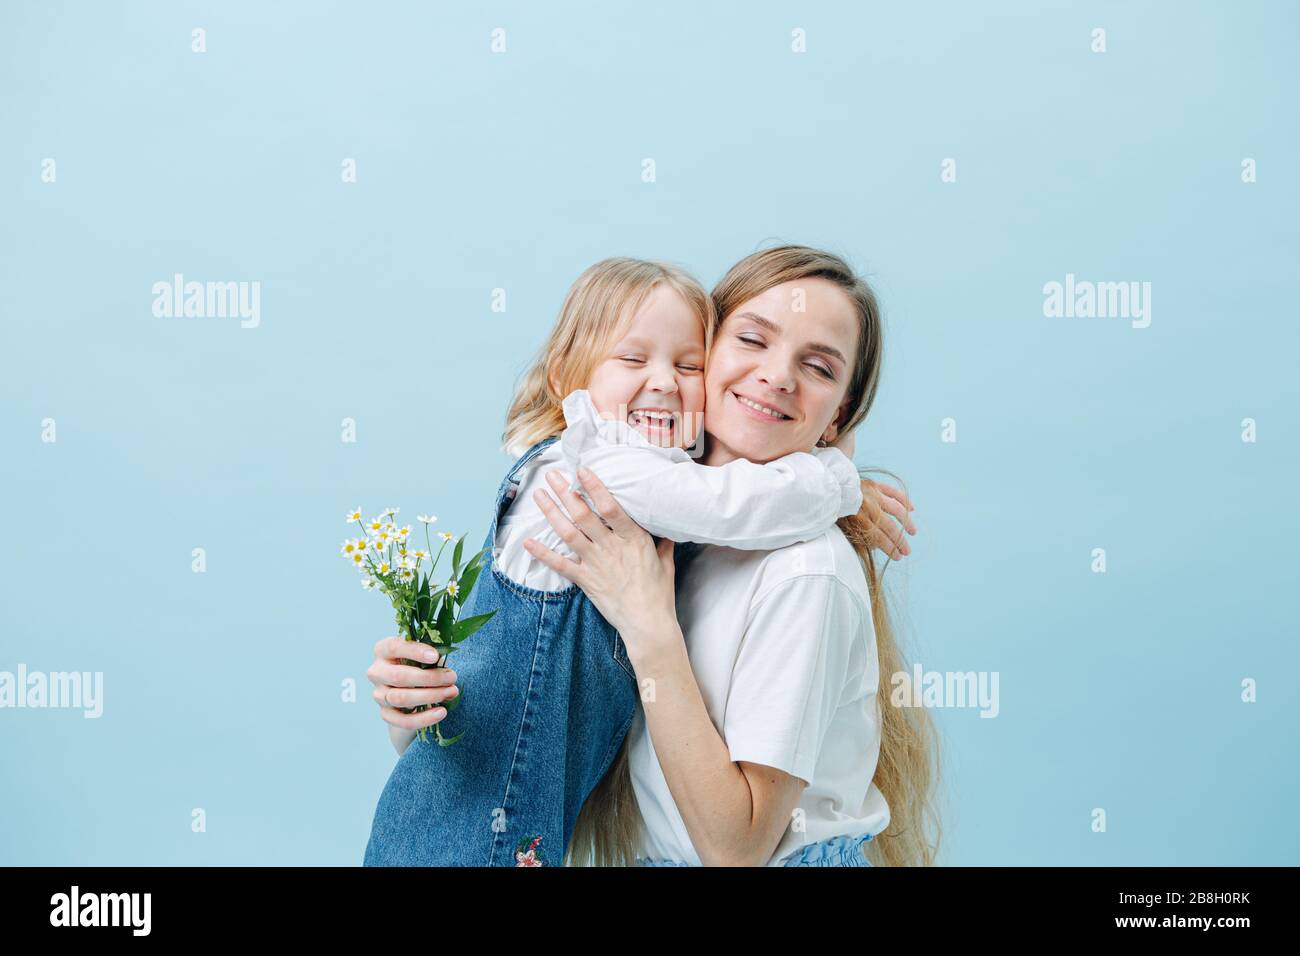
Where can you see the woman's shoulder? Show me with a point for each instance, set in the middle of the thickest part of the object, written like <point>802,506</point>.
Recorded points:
<point>827,559</point>
<point>816,590</point>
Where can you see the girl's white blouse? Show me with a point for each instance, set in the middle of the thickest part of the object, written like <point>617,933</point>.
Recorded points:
<point>741,504</point>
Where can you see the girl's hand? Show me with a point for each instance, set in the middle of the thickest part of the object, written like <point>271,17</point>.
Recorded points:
<point>881,504</point>
<point>404,685</point>
<point>885,512</point>
<point>627,577</point>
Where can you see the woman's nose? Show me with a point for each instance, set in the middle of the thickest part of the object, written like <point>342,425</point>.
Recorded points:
<point>776,375</point>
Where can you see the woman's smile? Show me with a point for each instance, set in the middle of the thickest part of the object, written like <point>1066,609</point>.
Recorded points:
<point>759,410</point>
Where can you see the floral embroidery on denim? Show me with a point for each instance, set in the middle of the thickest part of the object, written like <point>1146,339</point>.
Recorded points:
<point>528,854</point>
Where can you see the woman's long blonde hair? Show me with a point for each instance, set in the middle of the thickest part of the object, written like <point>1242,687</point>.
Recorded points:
<point>597,306</point>
<point>608,828</point>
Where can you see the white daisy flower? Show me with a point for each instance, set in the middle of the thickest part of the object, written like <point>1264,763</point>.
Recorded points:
<point>427,519</point>
<point>368,583</point>
<point>453,588</point>
<point>406,574</point>
<point>354,515</point>
<point>388,511</point>
<point>446,535</point>
<point>373,526</point>
<point>383,567</point>
<point>358,559</point>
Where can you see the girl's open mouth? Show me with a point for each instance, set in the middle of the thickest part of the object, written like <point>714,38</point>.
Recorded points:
<point>655,421</point>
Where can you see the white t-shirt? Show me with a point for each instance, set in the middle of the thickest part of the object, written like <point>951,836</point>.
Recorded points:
<point>664,490</point>
<point>784,650</point>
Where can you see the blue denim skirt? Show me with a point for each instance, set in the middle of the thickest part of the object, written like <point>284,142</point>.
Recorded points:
<point>835,851</point>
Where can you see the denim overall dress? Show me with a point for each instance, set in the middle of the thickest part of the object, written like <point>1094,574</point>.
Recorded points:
<point>548,696</point>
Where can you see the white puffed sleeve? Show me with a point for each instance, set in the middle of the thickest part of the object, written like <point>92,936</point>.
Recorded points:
<point>741,504</point>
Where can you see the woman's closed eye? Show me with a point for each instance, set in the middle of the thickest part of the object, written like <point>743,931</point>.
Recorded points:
<point>817,367</point>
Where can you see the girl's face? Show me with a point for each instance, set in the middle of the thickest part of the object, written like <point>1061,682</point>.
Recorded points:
<point>653,377</point>
<point>778,377</point>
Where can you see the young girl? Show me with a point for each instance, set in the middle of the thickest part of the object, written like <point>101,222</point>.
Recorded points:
<point>550,691</point>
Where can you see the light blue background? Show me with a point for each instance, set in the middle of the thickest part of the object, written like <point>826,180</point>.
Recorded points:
<point>478,171</point>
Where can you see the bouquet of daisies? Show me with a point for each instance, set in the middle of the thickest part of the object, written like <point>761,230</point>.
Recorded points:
<point>427,612</point>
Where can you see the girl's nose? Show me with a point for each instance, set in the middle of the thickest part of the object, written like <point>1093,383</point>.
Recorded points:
<point>663,380</point>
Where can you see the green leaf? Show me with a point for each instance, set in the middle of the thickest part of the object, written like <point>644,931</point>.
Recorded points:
<point>455,557</point>
<point>446,619</point>
<point>467,584</point>
<point>467,626</point>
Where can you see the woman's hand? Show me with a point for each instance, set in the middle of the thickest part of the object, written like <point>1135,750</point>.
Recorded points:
<point>885,512</point>
<point>404,685</point>
<point>627,577</point>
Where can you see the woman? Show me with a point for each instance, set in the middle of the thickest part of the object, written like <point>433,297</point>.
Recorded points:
<point>762,739</point>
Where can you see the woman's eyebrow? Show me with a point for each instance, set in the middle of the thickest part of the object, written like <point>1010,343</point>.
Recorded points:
<point>775,329</point>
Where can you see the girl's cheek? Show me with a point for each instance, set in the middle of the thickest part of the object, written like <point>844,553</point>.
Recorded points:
<point>698,394</point>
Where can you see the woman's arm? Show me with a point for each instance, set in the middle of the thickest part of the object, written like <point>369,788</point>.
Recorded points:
<point>735,811</point>
<point>400,738</point>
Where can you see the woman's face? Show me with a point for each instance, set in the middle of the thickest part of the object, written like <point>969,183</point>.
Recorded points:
<point>779,372</point>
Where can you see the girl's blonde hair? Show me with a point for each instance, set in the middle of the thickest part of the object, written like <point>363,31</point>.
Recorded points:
<point>609,825</point>
<point>598,305</point>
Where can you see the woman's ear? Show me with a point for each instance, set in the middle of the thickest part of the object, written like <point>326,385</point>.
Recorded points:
<point>833,429</point>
